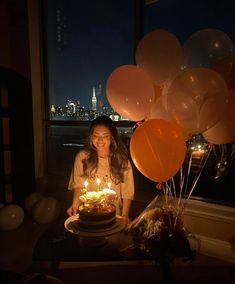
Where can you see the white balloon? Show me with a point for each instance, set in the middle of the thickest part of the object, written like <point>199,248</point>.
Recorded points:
<point>11,217</point>
<point>31,200</point>
<point>46,210</point>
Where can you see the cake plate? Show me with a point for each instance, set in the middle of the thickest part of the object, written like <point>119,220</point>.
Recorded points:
<point>93,237</point>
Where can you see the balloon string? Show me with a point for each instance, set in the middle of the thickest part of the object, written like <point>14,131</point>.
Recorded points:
<point>173,184</point>
<point>199,168</point>
<point>137,124</point>
<point>195,182</point>
<point>188,173</point>
<point>232,152</point>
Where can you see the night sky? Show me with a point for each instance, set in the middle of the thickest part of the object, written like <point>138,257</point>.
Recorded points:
<point>87,40</point>
<point>95,39</point>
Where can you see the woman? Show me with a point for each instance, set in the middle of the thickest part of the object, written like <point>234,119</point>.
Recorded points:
<point>104,159</point>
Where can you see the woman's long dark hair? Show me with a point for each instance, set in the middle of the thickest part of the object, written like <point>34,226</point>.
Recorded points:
<point>118,152</point>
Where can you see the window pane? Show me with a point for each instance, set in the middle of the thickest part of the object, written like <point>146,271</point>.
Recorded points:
<point>65,141</point>
<point>183,18</point>
<point>84,42</point>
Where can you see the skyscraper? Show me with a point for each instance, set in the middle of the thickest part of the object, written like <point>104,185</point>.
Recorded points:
<point>94,100</point>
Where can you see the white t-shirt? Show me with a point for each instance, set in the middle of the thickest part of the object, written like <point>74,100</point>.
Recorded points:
<point>124,190</point>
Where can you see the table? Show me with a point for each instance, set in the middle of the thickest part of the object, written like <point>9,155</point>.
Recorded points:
<point>57,245</point>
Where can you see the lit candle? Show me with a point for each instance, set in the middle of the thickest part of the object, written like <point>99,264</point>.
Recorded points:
<point>109,185</point>
<point>98,182</point>
<point>86,184</point>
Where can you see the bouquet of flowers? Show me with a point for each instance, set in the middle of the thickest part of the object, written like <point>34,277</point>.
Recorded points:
<point>159,232</point>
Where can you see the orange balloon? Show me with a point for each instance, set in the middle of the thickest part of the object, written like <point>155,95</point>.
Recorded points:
<point>159,53</point>
<point>130,92</point>
<point>157,149</point>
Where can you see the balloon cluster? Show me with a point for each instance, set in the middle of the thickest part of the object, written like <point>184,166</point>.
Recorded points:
<point>176,91</point>
<point>42,209</point>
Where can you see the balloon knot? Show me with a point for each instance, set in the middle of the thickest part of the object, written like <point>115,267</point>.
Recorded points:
<point>138,124</point>
<point>160,185</point>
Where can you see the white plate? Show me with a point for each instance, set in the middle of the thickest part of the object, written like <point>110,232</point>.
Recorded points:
<point>71,224</point>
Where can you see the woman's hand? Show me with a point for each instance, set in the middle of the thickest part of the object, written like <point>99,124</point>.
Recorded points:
<point>126,221</point>
<point>73,209</point>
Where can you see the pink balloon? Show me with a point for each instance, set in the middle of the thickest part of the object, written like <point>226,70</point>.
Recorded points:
<point>210,48</point>
<point>224,131</point>
<point>197,99</point>
<point>130,92</point>
<point>158,110</point>
<point>159,53</point>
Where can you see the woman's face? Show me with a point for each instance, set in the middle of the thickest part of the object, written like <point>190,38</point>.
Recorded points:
<point>101,138</point>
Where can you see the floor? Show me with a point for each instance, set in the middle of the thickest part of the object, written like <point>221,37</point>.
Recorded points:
<point>203,270</point>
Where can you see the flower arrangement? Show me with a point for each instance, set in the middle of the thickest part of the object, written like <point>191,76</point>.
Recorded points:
<point>93,201</point>
<point>159,232</point>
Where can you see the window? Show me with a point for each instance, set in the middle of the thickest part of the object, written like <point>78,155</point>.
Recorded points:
<point>183,18</point>
<point>84,41</point>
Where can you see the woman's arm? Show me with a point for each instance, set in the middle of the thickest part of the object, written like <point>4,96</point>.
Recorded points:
<point>76,182</point>
<point>126,205</point>
<point>126,208</point>
<point>73,209</point>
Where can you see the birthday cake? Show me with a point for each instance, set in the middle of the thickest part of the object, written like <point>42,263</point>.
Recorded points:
<point>97,210</point>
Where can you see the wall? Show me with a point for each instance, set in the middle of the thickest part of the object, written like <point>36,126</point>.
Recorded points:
<point>214,226</point>
<point>37,86</point>
<point>14,36</point>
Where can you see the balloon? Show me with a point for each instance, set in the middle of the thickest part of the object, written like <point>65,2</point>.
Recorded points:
<point>158,110</point>
<point>209,48</point>
<point>221,67</point>
<point>157,91</point>
<point>197,99</point>
<point>31,200</point>
<point>164,149</point>
<point>159,53</point>
<point>130,92</point>
<point>224,131</point>
<point>231,78</point>
<point>46,210</point>
<point>11,217</point>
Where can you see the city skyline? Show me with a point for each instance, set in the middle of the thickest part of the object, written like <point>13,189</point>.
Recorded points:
<point>85,42</point>
<point>74,110</point>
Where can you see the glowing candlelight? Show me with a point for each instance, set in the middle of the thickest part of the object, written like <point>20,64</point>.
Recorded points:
<point>109,185</point>
<point>98,183</point>
<point>86,184</point>
<point>198,153</point>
